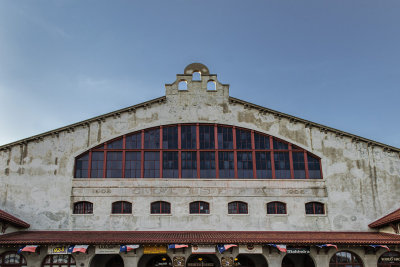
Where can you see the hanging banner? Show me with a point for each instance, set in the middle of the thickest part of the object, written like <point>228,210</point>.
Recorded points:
<point>155,250</point>
<point>57,250</point>
<point>203,249</point>
<point>253,249</point>
<point>106,249</point>
<point>302,250</point>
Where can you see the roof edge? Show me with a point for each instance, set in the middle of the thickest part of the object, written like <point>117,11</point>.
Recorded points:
<point>314,124</point>
<point>385,220</point>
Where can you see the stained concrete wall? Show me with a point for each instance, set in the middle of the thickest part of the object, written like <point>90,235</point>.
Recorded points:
<point>361,181</point>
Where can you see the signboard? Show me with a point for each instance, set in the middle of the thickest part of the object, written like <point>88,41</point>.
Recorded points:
<point>254,249</point>
<point>106,249</point>
<point>178,261</point>
<point>203,249</point>
<point>390,257</point>
<point>57,250</point>
<point>227,261</point>
<point>303,250</point>
<point>155,250</point>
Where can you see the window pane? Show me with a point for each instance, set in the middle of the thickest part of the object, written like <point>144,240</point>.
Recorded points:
<point>170,165</point>
<point>242,208</point>
<point>232,208</point>
<point>97,164</point>
<point>127,208</point>
<point>170,137</point>
<point>225,138</point>
<point>280,145</point>
<point>117,144</point>
<point>261,141</point>
<point>152,138</point>
<point>188,137</point>
<point>244,165</point>
<point>226,165</point>
<point>207,165</point>
<point>263,165</point>
<point>298,165</point>
<point>114,165</point>
<point>280,208</point>
<point>309,208</point>
<point>117,207</point>
<point>282,165</point>
<point>243,139</point>
<point>165,208</point>
<point>82,166</point>
<point>134,141</point>
<point>155,208</point>
<point>206,137</point>
<point>152,164</point>
<point>132,164</point>
<point>314,170</point>
<point>189,164</point>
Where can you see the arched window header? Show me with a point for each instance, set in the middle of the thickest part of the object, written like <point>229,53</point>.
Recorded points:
<point>198,151</point>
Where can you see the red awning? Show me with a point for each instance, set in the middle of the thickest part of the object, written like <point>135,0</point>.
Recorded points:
<point>196,237</point>
<point>8,218</point>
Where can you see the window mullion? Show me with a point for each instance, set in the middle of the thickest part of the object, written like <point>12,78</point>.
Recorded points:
<point>271,143</point>
<point>161,149</point>
<point>216,151</point>
<point>306,165</point>
<point>291,162</point>
<point>89,164</point>
<point>253,155</point>
<point>198,149</point>
<point>234,151</point>
<point>123,155</point>
<point>179,152</point>
<point>142,155</point>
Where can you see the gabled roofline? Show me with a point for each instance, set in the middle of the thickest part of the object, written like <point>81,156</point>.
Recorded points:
<point>232,100</point>
<point>308,123</point>
<point>85,123</point>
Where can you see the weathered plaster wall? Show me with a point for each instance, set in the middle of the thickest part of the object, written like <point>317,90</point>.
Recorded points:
<point>361,181</point>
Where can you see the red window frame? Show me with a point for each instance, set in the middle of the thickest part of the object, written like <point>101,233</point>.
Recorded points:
<point>274,205</point>
<point>236,207</point>
<point>312,208</point>
<point>83,207</point>
<point>163,205</point>
<point>264,143</point>
<point>126,207</point>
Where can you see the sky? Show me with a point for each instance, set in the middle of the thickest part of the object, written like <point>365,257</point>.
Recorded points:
<point>333,62</point>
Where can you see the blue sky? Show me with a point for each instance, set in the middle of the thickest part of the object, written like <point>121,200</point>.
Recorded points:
<point>332,62</point>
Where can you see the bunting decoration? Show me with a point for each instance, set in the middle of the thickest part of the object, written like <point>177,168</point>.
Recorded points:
<point>222,248</point>
<point>127,248</point>
<point>380,246</point>
<point>172,246</point>
<point>78,248</point>
<point>281,248</point>
<point>327,245</point>
<point>27,248</point>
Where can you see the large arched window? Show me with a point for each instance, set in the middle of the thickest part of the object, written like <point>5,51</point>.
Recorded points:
<point>59,261</point>
<point>198,151</point>
<point>345,259</point>
<point>199,207</point>
<point>160,207</point>
<point>83,207</point>
<point>237,207</point>
<point>121,207</point>
<point>12,259</point>
<point>389,259</point>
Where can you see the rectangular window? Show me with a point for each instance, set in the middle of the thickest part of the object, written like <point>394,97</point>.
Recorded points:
<point>263,165</point>
<point>152,139</point>
<point>82,166</point>
<point>282,165</point>
<point>134,141</point>
<point>170,137</point>
<point>189,164</point>
<point>243,139</point>
<point>207,164</point>
<point>114,165</point>
<point>225,138</point>
<point>206,137</point>
<point>97,165</point>
<point>261,141</point>
<point>299,167</point>
<point>226,165</point>
<point>170,165</point>
<point>245,165</point>
<point>152,164</point>
<point>188,137</point>
<point>133,164</point>
<point>314,168</point>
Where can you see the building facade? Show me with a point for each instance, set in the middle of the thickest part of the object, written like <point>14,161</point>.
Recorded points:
<point>200,168</point>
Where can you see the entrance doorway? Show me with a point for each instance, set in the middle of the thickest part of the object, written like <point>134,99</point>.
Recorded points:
<point>202,260</point>
<point>250,260</point>
<point>297,260</point>
<point>107,260</point>
<point>160,260</point>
